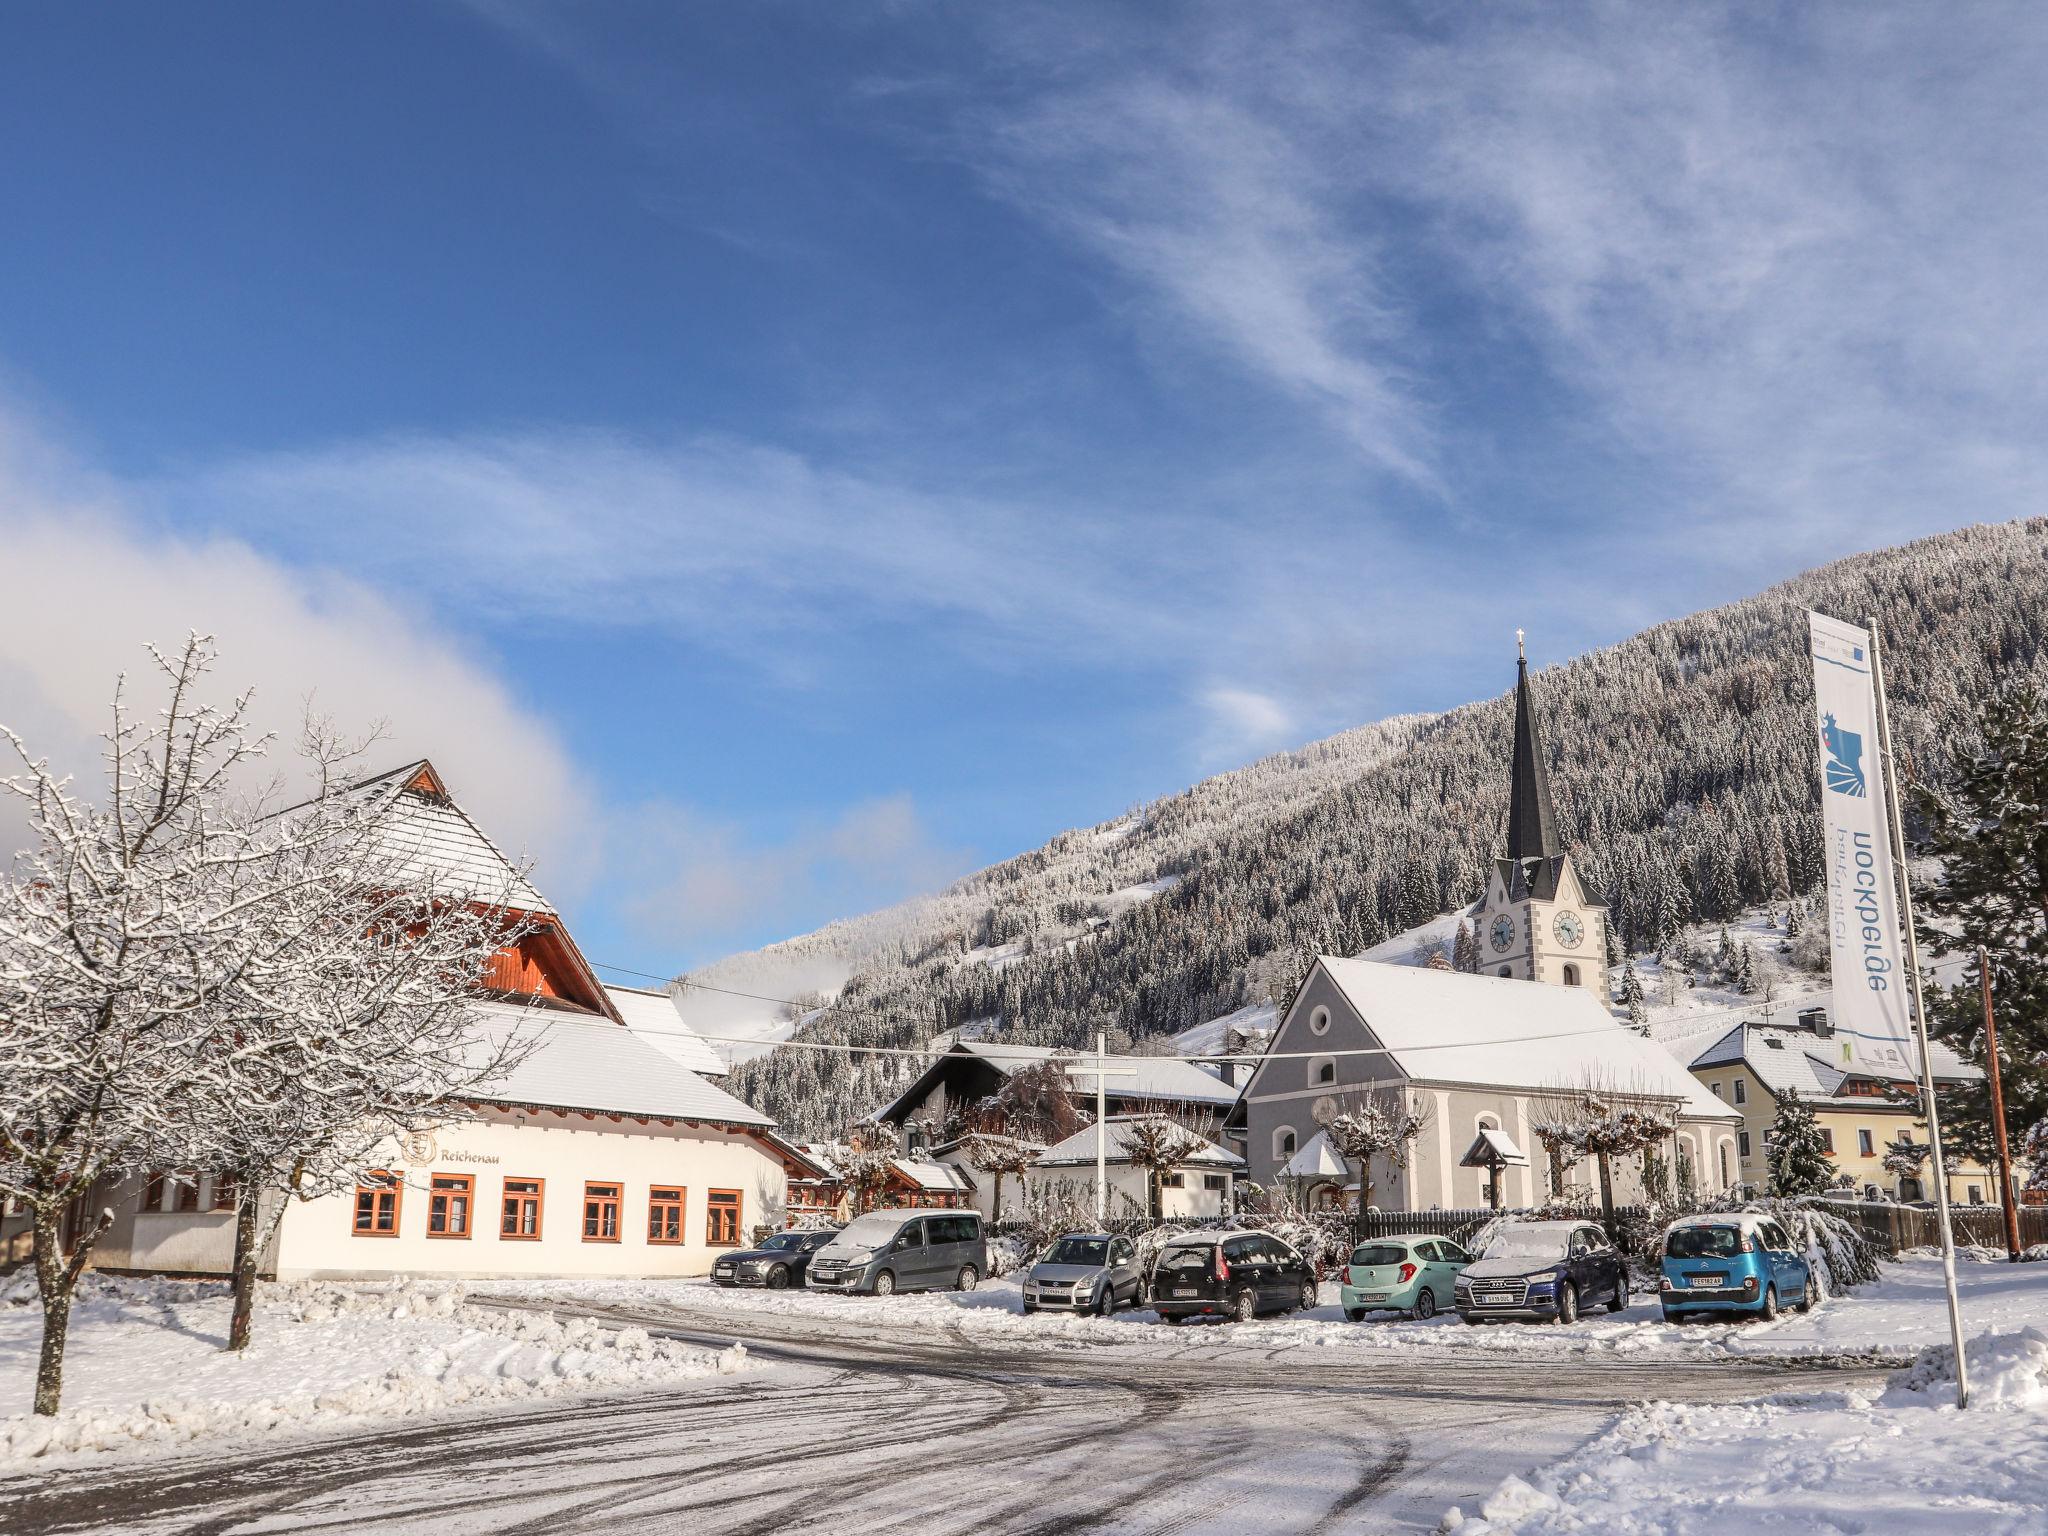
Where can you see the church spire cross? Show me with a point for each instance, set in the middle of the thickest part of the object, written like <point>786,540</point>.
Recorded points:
<point>1532,815</point>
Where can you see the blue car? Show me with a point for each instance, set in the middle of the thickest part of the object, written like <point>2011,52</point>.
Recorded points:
<point>1733,1262</point>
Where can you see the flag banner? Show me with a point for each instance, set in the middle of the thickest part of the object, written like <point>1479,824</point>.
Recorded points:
<point>1873,1019</point>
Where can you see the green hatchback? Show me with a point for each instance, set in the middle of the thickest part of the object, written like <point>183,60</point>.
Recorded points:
<point>1414,1274</point>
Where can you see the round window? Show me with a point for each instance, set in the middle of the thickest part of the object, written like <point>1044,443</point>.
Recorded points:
<point>1319,1022</point>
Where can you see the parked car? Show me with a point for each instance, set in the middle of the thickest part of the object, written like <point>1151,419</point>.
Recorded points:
<point>884,1252</point>
<point>777,1263</point>
<point>1741,1262</point>
<point>1543,1269</point>
<point>1086,1272</point>
<point>1230,1274</point>
<point>1416,1274</point>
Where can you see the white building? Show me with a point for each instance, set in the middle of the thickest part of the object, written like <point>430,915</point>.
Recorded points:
<point>599,1154</point>
<point>1206,1185</point>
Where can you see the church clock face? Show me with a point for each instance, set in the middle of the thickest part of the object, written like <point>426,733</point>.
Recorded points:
<point>1569,930</point>
<point>1503,931</point>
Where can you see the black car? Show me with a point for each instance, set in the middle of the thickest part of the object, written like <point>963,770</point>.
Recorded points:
<point>778,1263</point>
<point>1543,1270</point>
<point>1230,1274</point>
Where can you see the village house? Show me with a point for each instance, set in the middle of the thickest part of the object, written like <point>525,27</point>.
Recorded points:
<point>948,1100</point>
<point>1204,1186</point>
<point>598,1154</point>
<point>1860,1110</point>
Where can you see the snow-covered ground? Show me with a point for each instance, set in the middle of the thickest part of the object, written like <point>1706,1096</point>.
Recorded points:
<point>1896,1461</point>
<point>144,1368</point>
<point>1895,1317</point>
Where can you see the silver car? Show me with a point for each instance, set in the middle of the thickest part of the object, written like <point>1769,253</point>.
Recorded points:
<point>1086,1272</point>
<point>884,1252</point>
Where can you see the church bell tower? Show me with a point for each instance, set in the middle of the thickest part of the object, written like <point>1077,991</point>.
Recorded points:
<point>1536,921</point>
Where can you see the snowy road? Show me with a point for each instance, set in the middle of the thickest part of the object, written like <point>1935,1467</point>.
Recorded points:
<point>873,1427</point>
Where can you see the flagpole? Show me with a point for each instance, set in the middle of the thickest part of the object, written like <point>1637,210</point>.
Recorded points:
<point>1948,1241</point>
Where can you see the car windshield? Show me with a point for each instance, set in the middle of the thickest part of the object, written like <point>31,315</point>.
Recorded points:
<point>869,1230</point>
<point>1703,1243</point>
<point>1527,1243</point>
<point>1379,1253</point>
<point>1079,1250</point>
<point>782,1242</point>
<point>816,1240</point>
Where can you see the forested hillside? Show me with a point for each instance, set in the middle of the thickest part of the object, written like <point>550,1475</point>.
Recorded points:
<point>1684,771</point>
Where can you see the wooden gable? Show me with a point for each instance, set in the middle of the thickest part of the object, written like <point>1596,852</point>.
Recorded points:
<point>546,963</point>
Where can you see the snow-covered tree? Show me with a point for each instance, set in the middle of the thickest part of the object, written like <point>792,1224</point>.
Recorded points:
<point>997,1155</point>
<point>1599,1121</point>
<point>192,978</point>
<point>1904,1157</point>
<point>1036,1102</point>
<point>1370,1122</point>
<point>866,1160</point>
<point>1161,1139</point>
<point>1633,1001</point>
<point>120,925</point>
<point>1796,1150</point>
<point>1465,949</point>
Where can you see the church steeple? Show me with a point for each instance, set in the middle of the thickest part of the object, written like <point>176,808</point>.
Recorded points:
<point>1532,816</point>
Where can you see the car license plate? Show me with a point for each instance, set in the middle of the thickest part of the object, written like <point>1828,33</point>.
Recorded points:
<point>1184,1293</point>
<point>1706,1282</point>
<point>1374,1295</point>
<point>1492,1298</point>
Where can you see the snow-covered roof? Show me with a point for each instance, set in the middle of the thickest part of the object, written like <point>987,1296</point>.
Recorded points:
<point>1497,1032</point>
<point>1080,1147</point>
<point>1491,1146</point>
<point>1316,1159</point>
<point>655,1018</point>
<point>934,1176</point>
<point>436,843</point>
<point>581,1062</point>
<point>1151,1077</point>
<point>1802,1062</point>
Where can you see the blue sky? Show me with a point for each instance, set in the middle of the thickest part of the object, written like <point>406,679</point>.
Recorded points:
<point>777,457</point>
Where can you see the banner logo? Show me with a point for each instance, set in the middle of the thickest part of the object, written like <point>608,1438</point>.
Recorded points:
<point>1845,757</point>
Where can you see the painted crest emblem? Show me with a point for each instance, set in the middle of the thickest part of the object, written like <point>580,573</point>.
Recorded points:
<point>419,1148</point>
<point>1845,758</point>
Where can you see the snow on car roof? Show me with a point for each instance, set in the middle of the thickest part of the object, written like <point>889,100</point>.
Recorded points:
<point>1720,1219</point>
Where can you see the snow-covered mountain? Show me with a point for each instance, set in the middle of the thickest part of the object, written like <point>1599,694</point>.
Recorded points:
<point>1684,774</point>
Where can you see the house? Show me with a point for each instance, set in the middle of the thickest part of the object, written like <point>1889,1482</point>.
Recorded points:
<point>1467,1053</point>
<point>1205,1185</point>
<point>1754,1065</point>
<point>946,1101</point>
<point>597,1154</point>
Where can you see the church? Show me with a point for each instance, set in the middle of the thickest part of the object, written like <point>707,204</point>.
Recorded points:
<point>1474,1056</point>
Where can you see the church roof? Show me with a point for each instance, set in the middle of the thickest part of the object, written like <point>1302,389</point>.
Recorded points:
<point>1532,815</point>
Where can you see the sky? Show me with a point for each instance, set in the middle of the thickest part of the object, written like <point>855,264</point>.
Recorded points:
<point>778,458</point>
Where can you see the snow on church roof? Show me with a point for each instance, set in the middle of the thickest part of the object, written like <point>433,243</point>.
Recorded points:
<point>1116,1135</point>
<point>1317,1159</point>
<point>1498,1032</point>
<point>655,1018</point>
<point>582,1062</point>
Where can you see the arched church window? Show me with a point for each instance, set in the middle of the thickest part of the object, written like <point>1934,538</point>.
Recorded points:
<point>1507,971</point>
<point>1283,1143</point>
<point>1571,975</point>
<point>1323,1070</point>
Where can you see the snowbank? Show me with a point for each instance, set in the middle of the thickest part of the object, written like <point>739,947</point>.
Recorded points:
<point>144,1368</point>
<point>1900,1462</point>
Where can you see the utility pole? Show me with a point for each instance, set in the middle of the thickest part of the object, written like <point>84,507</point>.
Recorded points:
<point>1948,1237</point>
<point>1102,1072</point>
<point>2012,1210</point>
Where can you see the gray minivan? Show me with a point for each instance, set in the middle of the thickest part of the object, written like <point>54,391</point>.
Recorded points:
<point>884,1252</point>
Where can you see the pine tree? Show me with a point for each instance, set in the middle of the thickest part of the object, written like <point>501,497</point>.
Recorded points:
<point>1745,972</point>
<point>1632,999</point>
<point>1796,1150</point>
<point>1989,828</point>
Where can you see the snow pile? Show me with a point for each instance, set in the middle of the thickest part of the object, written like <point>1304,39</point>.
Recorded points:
<point>145,1368</point>
<point>1966,1253</point>
<point>2005,1368</point>
<point>1899,1463</point>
